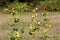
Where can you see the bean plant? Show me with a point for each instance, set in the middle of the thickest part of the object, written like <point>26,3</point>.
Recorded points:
<point>16,34</point>
<point>34,26</point>
<point>47,25</point>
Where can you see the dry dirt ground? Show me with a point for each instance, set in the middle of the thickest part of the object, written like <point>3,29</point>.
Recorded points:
<point>54,19</point>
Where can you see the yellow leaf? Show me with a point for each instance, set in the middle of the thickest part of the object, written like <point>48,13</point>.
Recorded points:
<point>36,8</point>
<point>31,27</point>
<point>17,34</point>
<point>48,25</point>
<point>45,30</point>
<point>33,10</point>
<point>36,14</point>
<point>39,22</point>
<point>34,32</point>
<point>33,16</point>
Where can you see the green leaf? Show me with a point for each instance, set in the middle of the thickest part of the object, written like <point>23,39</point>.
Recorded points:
<point>46,20</point>
<point>30,33</point>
